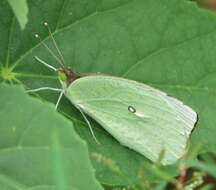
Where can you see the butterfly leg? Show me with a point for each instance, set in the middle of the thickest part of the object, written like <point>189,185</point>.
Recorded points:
<point>59,99</point>
<point>49,88</point>
<point>44,88</point>
<point>45,64</point>
<point>89,125</point>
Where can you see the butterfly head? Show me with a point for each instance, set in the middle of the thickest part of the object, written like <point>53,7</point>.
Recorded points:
<point>66,76</point>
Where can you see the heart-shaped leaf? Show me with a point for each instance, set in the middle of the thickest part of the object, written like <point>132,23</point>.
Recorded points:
<point>39,148</point>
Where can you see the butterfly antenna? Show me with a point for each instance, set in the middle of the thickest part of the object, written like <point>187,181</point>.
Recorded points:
<point>89,124</point>
<point>50,51</point>
<point>54,42</point>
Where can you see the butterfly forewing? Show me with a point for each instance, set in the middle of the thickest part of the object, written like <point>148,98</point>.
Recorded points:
<point>137,115</point>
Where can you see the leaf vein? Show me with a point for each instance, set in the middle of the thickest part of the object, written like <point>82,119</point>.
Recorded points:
<point>161,49</point>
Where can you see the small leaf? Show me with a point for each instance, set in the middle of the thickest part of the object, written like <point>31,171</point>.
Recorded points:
<point>20,9</point>
<point>39,148</point>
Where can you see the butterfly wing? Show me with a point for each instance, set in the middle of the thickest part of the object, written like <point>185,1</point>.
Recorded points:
<point>137,115</point>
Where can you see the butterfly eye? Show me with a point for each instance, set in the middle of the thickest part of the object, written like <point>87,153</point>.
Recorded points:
<point>131,109</point>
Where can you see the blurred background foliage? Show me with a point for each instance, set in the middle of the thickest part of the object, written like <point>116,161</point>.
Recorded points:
<point>192,173</point>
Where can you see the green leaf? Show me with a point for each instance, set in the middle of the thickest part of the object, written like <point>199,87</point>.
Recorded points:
<point>205,167</point>
<point>20,9</point>
<point>166,44</point>
<point>39,148</point>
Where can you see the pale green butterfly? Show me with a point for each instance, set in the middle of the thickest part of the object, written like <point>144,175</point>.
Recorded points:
<point>140,117</point>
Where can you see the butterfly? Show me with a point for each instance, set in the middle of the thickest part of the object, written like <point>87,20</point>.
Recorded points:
<point>137,115</point>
